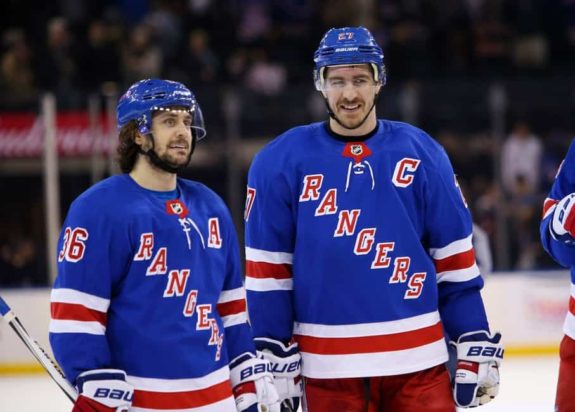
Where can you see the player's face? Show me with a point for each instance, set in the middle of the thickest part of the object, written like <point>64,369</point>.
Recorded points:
<point>350,92</point>
<point>173,136</point>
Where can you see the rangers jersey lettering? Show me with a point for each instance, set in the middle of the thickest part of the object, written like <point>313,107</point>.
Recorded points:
<point>350,247</point>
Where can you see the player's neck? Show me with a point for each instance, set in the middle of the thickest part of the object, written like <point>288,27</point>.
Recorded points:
<point>368,125</point>
<point>152,178</point>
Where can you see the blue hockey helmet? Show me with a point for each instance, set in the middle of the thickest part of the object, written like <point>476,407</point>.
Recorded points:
<point>148,95</point>
<point>348,46</point>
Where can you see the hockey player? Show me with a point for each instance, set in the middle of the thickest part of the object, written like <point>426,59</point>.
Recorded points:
<point>148,309</point>
<point>558,239</point>
<point>359,253</point>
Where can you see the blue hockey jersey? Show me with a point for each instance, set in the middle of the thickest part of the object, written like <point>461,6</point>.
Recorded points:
<point>153,287</point>
<point>360,251</point>
<point>563,253</point>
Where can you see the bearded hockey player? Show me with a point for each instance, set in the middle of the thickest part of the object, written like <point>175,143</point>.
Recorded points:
<point>359,255</point>
<point>148,309</point>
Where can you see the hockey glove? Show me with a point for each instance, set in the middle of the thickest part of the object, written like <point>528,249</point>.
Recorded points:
<point>563,223</point>
<point>103,390</point>
<point>252,383</point>
<point>286,368</point>
<point>477,376</point>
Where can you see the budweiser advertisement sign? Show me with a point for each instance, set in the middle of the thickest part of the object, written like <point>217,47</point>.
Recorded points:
<point>22,135</point>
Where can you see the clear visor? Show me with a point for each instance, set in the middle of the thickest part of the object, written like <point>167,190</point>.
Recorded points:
<point>198,127</point>
<point>338,83</point>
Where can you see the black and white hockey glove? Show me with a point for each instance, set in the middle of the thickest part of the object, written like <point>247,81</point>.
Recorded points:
<point>252,383</point>
<point>477,376</point>
<point>286,368</point>
<point>103,390</point>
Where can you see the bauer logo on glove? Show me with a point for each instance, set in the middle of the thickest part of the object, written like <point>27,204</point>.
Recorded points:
<point>490,351</point>
<point>476,379</point>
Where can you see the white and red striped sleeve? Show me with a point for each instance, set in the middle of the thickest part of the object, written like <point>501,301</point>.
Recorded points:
<point>268,271</point>
<point>455,262</point>
<point>73,311</point>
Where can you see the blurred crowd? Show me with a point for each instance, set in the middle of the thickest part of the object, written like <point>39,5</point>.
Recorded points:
<point>443,52</point>
<point>72,47</point>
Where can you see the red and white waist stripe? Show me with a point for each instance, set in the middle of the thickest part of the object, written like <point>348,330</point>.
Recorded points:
<point>371,349</point>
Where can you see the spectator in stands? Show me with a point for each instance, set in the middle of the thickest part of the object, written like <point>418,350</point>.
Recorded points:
<point>492,42</point>
<point>57,64</point>
<point>521,173</point>
<point>521,160</point>
<point>524,218</point>
<point>166,24</point>
<point>141,58</point>
<point>264,76</point>
<point>255,22</point>
<point>198,65</point>
<point>20,263</point>
<point>17,80</point>
<point>100,58</point>
<point>530,49</point>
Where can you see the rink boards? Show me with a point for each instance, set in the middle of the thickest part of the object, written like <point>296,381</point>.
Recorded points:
<point>527,307</point>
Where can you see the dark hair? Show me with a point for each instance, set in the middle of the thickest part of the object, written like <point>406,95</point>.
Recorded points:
<point>128,150</point>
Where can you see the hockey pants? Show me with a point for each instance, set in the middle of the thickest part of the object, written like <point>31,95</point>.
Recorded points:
<point>565,400</point>
<point>428,390</point>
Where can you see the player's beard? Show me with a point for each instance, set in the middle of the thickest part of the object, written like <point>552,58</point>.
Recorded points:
<point>355,120</point>
<point>166,160</point>
<point>176,161</point>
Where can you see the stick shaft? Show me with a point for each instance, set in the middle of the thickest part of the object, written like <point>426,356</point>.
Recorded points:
<point>36,350</point>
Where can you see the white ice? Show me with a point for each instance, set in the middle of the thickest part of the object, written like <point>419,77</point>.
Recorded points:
<point>527,385</point>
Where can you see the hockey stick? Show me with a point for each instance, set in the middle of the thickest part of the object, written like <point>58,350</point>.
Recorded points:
<point>39,353</point>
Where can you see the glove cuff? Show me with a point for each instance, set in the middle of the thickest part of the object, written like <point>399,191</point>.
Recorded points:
<point>99,375</point>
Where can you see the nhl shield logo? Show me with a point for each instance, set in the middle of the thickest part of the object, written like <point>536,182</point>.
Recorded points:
<point>176,207</point>
<point>356,149</point>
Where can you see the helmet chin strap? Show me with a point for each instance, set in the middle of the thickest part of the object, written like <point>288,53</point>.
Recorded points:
<point>162,164</point>
<point>334,117</point>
